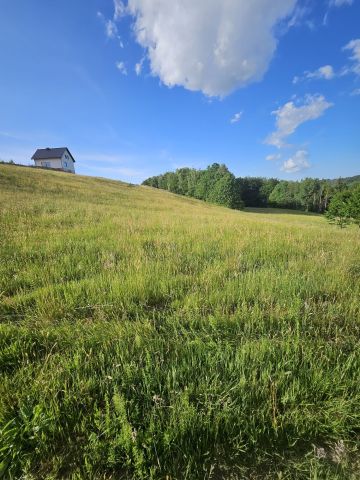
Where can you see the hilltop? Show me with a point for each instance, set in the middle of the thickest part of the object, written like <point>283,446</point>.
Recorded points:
<point>147,335</point>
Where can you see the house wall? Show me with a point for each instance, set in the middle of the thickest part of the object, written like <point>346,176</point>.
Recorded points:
<point>49,163</point>
<point>67,162</point>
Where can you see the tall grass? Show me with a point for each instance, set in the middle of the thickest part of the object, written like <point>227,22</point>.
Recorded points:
<point>145,335</point>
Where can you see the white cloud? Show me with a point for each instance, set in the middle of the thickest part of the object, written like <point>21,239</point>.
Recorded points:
<point>340,3</point>
<point>355,92</point>
<point>121,67</point>
<point>209,45</point>
<point>290,116</point>
<point>139,66</point>
<point>119,9</point>
<point>273,158</point>
<point>299,161</point>
<point>354,47</point>
<point>111,29</point>
<point>326,72</point>
<point>297,17</point>
<point>237,117</point>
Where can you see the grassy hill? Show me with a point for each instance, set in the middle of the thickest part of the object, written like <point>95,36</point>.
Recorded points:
<point>146,335</point>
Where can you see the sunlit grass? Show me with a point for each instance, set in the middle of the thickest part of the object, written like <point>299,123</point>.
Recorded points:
<point>146,335</point>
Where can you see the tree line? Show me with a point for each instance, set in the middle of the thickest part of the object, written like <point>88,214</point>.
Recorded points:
<point>216,184</point>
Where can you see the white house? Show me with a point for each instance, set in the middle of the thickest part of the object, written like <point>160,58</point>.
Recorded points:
<point>56,158</point>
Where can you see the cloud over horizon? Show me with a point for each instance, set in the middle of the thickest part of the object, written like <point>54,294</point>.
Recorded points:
<point>290,116</point>
<point>208,46</point>
<point>298,162</point>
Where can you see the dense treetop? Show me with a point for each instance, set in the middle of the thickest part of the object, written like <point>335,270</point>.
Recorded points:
<point>216,184</point>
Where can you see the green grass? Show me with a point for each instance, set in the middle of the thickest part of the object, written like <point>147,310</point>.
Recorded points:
<point>150,336</point>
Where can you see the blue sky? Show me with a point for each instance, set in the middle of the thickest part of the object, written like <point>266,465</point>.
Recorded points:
<point>269,88</point>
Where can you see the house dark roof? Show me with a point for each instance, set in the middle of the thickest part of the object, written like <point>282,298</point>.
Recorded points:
<point>45,153</point>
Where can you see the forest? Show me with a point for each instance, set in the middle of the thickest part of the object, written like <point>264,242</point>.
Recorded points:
<point>216,184</point>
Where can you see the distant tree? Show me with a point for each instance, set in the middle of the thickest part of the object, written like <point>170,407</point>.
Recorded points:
<point>193,178</point>
<point>326,192</point>
<point>151,182</point>
<point>266,188</point>
<point>183,176</point>
<point>339,211</point>
<point>251,191</point>
<point>355,204</point>
<point>309,193</point>
<point>10,162</point>
<point>172,182</point>
<point>283,195</point>
<point>219,186</point>
<point>224,192</point>
<point>162,183</point>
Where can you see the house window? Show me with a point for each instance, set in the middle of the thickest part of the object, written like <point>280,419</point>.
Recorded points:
<point>65,164</point>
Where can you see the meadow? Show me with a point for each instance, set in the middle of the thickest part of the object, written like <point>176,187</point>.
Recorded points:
<point>145,335</point>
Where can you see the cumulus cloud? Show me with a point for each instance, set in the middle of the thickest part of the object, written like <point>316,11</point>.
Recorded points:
<point>237,117</point>
<point>340,3</point>
<point>121,67</point>
<point>207,45</point>
<point>354,47</point>
<point>326,72</point>
<point>291,115</point>
<point>299,161</point>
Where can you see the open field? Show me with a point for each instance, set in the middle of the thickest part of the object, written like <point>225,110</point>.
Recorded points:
<point>146,335</point>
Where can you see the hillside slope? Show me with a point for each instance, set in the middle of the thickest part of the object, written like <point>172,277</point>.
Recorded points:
<point>147,335</point>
